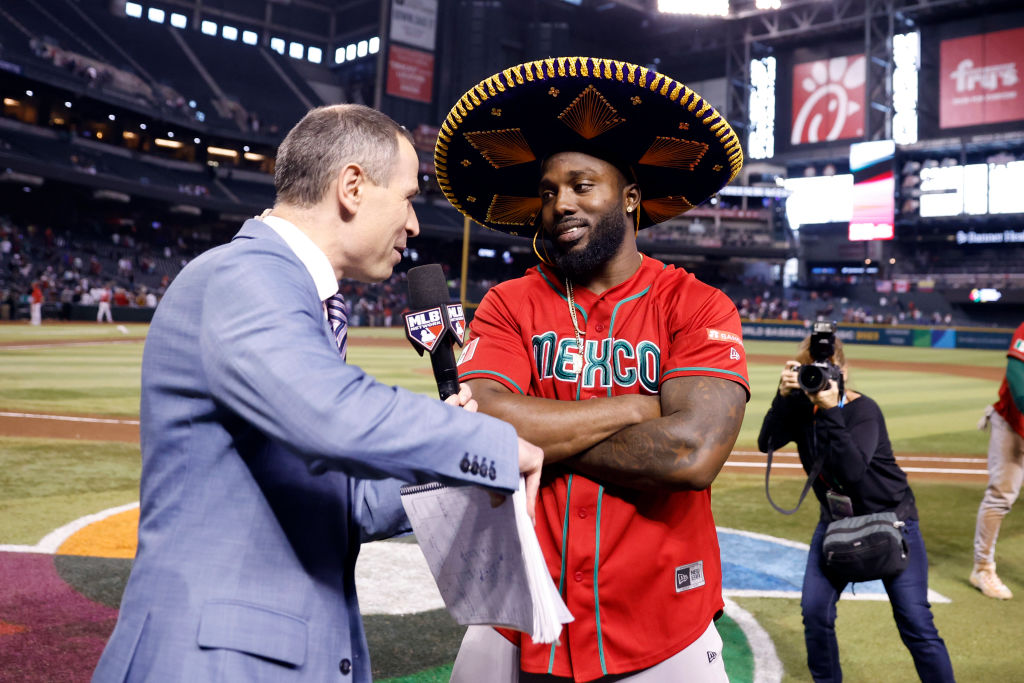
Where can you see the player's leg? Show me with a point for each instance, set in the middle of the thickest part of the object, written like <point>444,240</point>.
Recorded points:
<point>1005,472</point>
<point>485,656</point>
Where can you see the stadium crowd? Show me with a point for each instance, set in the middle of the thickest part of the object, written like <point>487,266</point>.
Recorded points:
<point>73,268</point>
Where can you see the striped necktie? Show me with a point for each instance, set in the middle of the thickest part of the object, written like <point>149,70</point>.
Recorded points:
<point>337,315</point>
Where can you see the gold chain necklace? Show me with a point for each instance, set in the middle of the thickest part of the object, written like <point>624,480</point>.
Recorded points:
<point>575,358</point>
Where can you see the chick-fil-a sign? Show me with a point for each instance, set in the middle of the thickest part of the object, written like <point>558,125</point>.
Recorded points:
<point>828,100</point>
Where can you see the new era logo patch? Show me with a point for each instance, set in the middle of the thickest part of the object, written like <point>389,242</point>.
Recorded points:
<point>1018,345</point>
<point>733,354</point>
<point>712,656</point>
<point>690,576</point>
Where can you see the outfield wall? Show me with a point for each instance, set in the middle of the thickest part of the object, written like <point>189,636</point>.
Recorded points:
<point>894,335</point>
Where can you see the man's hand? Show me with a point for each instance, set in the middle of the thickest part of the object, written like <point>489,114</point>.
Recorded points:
<point>826,398</point>
<point>464,398</point>
<point>531,459</point>
<point>788,381</point>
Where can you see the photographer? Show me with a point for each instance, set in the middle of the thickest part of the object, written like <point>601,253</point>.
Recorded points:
<point>858,475</point>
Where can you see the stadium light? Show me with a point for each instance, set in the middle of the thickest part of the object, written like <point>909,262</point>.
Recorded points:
<point>296,50</point>
<point>156,15</point>
<point>374,45</point>
<point>314,54</point>
<point>350,52</point>
<point>277,45</point>
<point>133,9</point>
<point>229,32</point>
<point>29,93</point>
<point>253,156</point>
<point>179,20</point>
<point>222,152</point>
<point>362,48</point>
<point>339,55</point>
<point>8,102</point>
<point>173,144</point>
<point>250,37</point>
<point>767,4</point>
<point>208,27</point>
<point>719,8</point>
<point>67,104</point>
<point>195,140</point>
<point>142,126</point>
<point>111,117</point>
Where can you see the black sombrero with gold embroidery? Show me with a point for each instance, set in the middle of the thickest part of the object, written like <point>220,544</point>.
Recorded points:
<point>671,141</point>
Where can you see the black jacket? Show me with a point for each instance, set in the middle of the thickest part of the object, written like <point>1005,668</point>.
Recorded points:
<point>853,441</point>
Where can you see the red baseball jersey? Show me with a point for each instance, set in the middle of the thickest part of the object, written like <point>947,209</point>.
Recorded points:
<point>1005,405</point>
<point>640,571</point>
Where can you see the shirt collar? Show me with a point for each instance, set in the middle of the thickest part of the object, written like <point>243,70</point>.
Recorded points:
<point>308,253</point>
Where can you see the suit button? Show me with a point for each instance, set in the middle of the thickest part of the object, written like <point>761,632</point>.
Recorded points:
<point>345,667</point>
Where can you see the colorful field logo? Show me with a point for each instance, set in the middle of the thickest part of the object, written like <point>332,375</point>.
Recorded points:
<point>425,327</point>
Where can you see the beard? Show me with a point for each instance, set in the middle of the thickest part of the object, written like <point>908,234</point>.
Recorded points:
<point>606,237</point>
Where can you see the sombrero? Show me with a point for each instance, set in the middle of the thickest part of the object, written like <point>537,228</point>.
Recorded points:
<point>662,134</point>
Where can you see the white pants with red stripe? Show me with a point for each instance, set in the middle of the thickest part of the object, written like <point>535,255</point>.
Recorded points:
<point>486,656</point>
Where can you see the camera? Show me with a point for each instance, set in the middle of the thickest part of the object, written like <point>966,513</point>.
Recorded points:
<point>815,376</point>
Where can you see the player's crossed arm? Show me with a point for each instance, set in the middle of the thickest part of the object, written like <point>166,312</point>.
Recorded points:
<point>683,450</point>
<point>563,428</point>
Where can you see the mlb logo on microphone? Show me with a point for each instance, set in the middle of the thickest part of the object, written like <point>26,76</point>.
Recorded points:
<point>425,327</point>
<point>457,318</point>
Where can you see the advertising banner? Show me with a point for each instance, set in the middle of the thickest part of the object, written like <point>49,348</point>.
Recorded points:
<point>924,337</point>
<point>980,79</point>
<point>414,22</point>
<point>828,100</point>
<point>410,73</point>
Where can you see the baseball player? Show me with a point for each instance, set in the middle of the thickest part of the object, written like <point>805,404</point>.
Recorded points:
<point>629,372</point>
<point>1005,470</point>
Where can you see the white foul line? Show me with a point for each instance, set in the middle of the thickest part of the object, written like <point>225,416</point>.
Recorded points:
<point>69,418</point>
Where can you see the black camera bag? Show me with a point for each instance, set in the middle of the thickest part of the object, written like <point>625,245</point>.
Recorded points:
<point>865,547</point>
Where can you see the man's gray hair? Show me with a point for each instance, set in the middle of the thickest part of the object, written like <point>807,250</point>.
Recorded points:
<point>328,138</point>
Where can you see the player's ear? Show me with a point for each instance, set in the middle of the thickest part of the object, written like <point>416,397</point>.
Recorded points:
<point>631,197</point>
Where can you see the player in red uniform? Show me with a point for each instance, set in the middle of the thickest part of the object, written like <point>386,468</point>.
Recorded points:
<point>1005,470</point>
<point>629,373</point>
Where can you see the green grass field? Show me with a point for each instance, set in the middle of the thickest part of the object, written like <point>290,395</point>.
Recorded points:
<point>45,483</point>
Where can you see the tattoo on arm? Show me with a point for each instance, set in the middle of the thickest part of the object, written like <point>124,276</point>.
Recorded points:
<point>683,450</point>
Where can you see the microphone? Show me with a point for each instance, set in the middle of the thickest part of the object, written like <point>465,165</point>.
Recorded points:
<point>434,324</point>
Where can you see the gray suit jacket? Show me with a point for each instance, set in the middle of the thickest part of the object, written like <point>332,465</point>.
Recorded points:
<point>265,462</point>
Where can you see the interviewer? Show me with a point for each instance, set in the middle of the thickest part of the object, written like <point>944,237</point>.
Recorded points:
<point>266,458</point>
<point>849,432</point>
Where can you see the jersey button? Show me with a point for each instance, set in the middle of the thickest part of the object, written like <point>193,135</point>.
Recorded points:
<point>578,576</point>
<point>599,327</point>
<point>582,513</point>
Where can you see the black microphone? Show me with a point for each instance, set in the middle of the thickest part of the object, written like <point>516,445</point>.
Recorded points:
<point>434,324</point>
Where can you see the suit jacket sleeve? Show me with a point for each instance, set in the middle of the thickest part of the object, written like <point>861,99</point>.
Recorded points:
<point>269,360</point>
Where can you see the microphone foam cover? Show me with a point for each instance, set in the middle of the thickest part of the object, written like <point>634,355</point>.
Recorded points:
<point>427,287</point>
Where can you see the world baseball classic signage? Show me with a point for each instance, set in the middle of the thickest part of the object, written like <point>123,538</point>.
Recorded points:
<point>980,79</point>
<point>828,100</point>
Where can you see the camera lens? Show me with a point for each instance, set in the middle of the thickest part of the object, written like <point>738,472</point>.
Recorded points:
<point>811,378</point>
